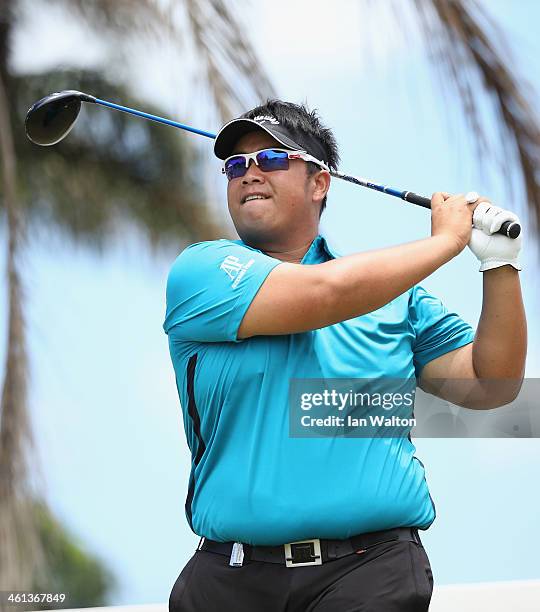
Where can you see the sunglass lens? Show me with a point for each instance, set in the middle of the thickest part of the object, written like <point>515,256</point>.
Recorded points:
<point>273,160</point>
<point>235,167</point>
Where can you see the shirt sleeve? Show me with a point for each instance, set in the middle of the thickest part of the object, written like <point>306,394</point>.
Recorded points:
<point>436,330</point>
<point>210,287</point>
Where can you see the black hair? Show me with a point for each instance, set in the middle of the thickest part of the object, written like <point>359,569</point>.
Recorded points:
<point>298,118</point>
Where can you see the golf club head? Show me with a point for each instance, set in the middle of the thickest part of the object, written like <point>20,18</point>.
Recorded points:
<point>50,119</point>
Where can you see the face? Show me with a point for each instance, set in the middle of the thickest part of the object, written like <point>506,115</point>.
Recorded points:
<point>291,199</point>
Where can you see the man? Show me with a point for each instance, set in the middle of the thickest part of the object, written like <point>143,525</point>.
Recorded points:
<point>326,523</point>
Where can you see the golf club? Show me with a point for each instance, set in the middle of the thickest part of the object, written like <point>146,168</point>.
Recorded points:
<point>50,120</point>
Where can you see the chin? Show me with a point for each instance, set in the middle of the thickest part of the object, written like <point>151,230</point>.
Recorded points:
<point>254,235</point>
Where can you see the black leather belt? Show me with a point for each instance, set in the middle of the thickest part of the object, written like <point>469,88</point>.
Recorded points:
<point>307,552</point>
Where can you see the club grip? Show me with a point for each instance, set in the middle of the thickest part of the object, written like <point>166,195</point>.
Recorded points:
<point>414,198</point>
<point>508,228</point>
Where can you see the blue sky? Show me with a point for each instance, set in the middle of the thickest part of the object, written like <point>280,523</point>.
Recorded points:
<point>104,403</point>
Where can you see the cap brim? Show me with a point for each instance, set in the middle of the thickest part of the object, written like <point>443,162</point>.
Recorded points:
<point>231,133</point>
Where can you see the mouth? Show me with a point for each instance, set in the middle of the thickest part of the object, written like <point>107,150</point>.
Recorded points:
<point>254,196</point>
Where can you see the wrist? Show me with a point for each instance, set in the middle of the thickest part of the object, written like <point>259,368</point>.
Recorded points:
<point>447,245</point>
<point>491,264</point>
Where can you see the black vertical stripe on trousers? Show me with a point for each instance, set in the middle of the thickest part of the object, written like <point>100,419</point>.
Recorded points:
<point>201,447</point>
<point>387,577</point>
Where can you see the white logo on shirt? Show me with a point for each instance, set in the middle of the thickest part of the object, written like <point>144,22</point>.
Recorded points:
<point>234,269</point>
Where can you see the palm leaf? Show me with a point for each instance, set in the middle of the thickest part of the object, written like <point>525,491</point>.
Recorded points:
<point>112,172</point>
<point>470,53</point>
<point>233,70</point>
<point>234,76</point>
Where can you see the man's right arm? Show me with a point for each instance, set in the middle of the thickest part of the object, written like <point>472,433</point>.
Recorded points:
<point>297,298</point>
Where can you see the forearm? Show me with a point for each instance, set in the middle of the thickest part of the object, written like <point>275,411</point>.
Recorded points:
<point>364,282</point>
<point>500,344</point>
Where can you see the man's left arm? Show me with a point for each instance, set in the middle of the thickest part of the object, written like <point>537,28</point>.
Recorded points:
<point>495,361</point>
<point>488,372</point>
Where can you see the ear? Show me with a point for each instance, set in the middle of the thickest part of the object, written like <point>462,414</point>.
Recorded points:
<point>321,185</point>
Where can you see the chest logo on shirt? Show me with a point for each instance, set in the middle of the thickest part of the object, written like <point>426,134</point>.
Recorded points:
<point>234,269</point>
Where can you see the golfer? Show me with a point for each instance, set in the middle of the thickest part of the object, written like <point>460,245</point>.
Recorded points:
<point>323,523</point>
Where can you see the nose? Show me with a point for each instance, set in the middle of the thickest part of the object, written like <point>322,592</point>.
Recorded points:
<point>253,174</point>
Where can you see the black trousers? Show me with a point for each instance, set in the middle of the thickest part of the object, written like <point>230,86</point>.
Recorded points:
<point>388,577</point>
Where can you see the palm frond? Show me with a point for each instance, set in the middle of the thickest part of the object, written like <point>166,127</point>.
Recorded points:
<point>122,17</point>
<point>234,76</point>
<point>469,50</point>
<point>233,72</point>
<point>112,172</point>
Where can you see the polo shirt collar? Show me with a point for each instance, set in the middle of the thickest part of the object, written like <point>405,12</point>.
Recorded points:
<point>318,252</point>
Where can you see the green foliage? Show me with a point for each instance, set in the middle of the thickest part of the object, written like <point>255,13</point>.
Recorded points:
<point>70,569</point>
<point>112,171</point>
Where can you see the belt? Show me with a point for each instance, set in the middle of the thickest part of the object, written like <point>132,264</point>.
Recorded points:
<point>307,552</point>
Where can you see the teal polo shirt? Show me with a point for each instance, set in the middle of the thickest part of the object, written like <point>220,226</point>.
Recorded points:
<point>251,481</point>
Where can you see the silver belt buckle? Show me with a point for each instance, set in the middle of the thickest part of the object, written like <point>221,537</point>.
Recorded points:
<point>302,553</point>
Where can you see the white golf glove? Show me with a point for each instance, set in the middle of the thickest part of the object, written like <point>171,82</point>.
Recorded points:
<point>493,250</point>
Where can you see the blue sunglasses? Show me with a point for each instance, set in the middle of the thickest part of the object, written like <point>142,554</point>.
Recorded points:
<point>267,160</point>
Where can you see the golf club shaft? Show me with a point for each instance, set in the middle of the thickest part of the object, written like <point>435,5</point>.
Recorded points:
<point>511,229</point>
<point>138,113</point>
<point>409,196</point>
<point>404,195</point>
<point>70,101</point>
<point>508,228</point>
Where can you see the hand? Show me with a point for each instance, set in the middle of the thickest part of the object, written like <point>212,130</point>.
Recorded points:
<point>493,250</point>
<point>451,216</point>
